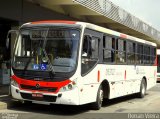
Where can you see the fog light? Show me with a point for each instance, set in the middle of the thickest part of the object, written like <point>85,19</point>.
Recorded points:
<point>70,86</point>
<point>17,91</point>
<point>59,95</point>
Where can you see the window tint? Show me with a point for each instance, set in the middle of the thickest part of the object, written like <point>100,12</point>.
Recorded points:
<point>94,47</point>
<point>120,51</point>
<point>89,53</point>
<point>121,45</point>
<point>108,49</point>
<point>139,54</point>
<point>146,55</point>
<point>107,42</point>
<point>130,52</point>
<point>152,55</point>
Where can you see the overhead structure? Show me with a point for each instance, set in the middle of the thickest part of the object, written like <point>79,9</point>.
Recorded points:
<point>103,13</point>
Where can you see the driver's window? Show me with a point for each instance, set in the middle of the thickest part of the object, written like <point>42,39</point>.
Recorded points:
<point>86,52</point>
<point>89,53</point>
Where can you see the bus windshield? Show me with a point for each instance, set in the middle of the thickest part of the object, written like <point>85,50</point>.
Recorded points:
<point>46,49</point>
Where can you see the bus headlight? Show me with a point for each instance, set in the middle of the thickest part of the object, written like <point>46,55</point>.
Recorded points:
<point>14,83</point>
<point>68,87</point>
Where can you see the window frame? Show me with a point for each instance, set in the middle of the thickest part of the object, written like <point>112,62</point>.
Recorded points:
<point>88,32</point>
<point>138,56</point>
<point>133,52</point>
<point>111,49</point>
<point>124,51</point>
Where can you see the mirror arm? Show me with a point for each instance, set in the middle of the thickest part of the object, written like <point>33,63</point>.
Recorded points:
<point>8,40</point>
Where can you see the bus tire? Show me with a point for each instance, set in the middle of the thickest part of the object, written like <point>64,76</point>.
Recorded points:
<point>98,104</point>
<point>143,87</point>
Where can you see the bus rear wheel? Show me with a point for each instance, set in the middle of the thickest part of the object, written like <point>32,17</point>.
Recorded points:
<point>98,104</point>
<point>143,87</point>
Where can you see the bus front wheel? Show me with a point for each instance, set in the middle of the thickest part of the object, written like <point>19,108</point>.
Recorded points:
<point>98,104</point>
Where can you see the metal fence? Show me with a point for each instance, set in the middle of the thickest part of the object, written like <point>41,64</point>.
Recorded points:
<point>112,11</point>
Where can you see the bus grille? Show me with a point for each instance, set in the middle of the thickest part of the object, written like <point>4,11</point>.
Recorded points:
<point>49,89</point>
<point>46,98</point>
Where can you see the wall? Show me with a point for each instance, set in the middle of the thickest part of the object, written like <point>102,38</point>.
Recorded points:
<point>23,11</point>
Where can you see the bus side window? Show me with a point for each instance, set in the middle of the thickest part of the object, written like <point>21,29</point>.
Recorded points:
<point>108,49</point>
<point>130,52</point>
<point>120,51</point>
<point>86,52</point>
<point>113,50</point>
<point>139,53</point>
<point>89,53</point>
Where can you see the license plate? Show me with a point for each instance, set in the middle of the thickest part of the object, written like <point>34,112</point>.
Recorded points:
<point>38,95</point>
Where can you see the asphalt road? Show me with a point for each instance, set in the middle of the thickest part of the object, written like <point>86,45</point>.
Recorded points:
<point>119,108</point>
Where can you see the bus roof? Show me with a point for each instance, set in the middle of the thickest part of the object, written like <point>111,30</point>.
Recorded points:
<point>115,33</point>
<point>91,26</point>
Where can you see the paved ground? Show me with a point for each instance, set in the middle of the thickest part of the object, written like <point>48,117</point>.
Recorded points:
<point>121,108</point>
<point>4,89</point>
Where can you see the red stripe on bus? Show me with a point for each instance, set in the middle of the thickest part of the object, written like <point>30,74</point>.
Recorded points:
<point>123,36</point>
<point>155,61</point>
<point>125,75</point>
<point>54,21</point>
<point>98,77</point>
<point>57,85</point>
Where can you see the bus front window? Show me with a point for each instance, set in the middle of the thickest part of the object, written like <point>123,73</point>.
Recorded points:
<point>47,50</point>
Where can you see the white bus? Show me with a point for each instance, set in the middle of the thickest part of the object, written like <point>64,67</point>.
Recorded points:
<point>76,63</point>
<point>158,64</point>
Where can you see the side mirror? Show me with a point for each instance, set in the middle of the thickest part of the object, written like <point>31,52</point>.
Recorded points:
<point>8,39</point>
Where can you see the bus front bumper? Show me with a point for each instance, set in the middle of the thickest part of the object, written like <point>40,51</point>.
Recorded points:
<point>67,98</point>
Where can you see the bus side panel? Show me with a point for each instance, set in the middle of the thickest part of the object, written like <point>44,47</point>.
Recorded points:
<point>121,80</point>
<point>151,76</point>
<point>88,91</point>
<point>126,79</point>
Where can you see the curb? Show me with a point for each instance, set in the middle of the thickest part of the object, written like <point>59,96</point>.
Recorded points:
<point>7,102</point>
<point>3,105</point>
